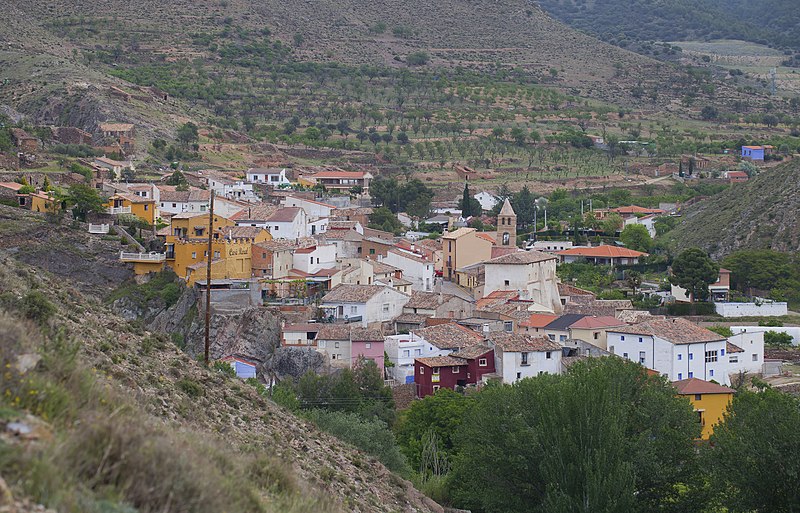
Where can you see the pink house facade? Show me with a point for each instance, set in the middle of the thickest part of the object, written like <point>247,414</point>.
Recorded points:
<point>369,345</point>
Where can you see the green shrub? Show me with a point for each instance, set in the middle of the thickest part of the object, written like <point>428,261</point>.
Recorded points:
<point>170,294</point>
<point>371,436</point>
<point>190,388</point>
<point>725,331</point>
<point>224,368</point>
<point>37,307</point>
<point>778,339</point>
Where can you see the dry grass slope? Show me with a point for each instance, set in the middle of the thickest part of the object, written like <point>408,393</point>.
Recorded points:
<point>761,213</point>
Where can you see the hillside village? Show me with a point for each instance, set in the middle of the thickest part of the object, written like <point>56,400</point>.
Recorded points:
<point>455,309</point>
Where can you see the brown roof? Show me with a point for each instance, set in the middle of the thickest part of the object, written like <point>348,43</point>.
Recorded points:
<point>431,244</point>
<point>441,361</point>
<point>169,194</point>
<point>694,386</point>
<point>346,293</point>
<point>473,352</point>
<point>378,234</point>
<point>598,307</point>
<point>604,251</point>
<point>411,318</point>
<point>426,300</point>
<point>382,268</point>
<point>449,335</point>
<point>348,332</point>
<point>636,316</point>
<point>342,225</point>
<point>302,327</point>
<point>285,214</point>
<point>276,245</point>
<point>255,212</point>
<point>595,322</point>
<point>522,258</point>
<point>458,233</point>
<point>240,232</point>
<point>115,127</point>
<point>520,342</point>
<point>733,348</point>
<point>538,320</point>
<point>565,289</point>
<point>345,235</point>
<point>676,331</point>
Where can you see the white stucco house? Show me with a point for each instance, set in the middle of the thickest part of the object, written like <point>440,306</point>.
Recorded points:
<point>173,201</point>
<point>519,356</point>
<point>680,349</point>
<point>531,273</point>
<point>365,304</point>
<point>288,223</point>
<point>314,209</point>
<point>416,268</point>
<point>270,176</point>
<point>487,201</point>
<point>312,259</point>
<point>231,188</point>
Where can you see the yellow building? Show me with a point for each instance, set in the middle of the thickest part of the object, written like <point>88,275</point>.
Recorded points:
<point>710,401</point>
<point>125,203</point>
<point>40,202</point>
<point>187,247</point>
<point>463,247</point>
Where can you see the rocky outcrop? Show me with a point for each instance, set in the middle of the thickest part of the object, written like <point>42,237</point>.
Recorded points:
<point>252,332</point>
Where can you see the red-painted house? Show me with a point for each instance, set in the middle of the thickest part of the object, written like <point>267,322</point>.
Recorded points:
<point>462,368</point>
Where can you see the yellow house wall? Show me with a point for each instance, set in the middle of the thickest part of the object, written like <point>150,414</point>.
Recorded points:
<point>188,224</point>
<point>145,211</point>
<point>147,267</point>
<point>235,257</point>
<point>42,205</point>
<point>588,336</point>
<point>713,408</point>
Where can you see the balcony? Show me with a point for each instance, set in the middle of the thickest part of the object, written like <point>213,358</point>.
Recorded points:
<point>118,210</point>
<point>99,229</point>
<point>142,257</point>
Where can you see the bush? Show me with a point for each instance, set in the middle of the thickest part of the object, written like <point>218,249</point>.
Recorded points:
<point>37,307</point>
<point>679,309</point>
<point>725,331</point>
<point>224,368</point>
<point>190,388</point>
<point>778,339</point>
<point>371,436</point>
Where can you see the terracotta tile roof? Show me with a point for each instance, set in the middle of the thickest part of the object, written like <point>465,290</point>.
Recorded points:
<point>276,245</point>
<point>285,214</point>
<point>520,342</point>
<point>342,225</point>
<point>411,318</point>
<point>431,244</point>
<point>240,232</point>
<point>733,348</point>
<point>676,331</point>
<point>498,251</point>
<point>449,335</point>
<point>472,352</point>
<point>604,251</point>
<point>346,293</point>
<point>595,322</point>
<point>598,307</point>
<point>458,233</point>
<point>255,212</point>
<point>192,195</point>
<point>694,386</point>
<point>14,186</point>
<point>538,320</point>
<point>383,268</point>
<point>427,300</point>
<point>348,332</point>
<point>495,298</point>
<point>302,327</point>
<point>111,162</point>
<point>637,316</point>
<point>636,209</point>
<point>343,235</point>
<point>521,258</point>
<point>485,236</point>
<point>441,361</point>
<point>410,256</point>
<point>565,289</point>
<point>378,234</point>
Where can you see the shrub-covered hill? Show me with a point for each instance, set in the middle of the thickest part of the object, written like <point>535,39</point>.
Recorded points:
<point>97,414</point>
<point>761,213</point>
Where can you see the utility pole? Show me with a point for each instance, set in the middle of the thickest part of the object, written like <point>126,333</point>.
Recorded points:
<point>208,278</point>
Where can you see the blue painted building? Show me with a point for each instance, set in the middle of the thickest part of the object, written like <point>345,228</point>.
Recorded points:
<point>244,368</point>
<point>753,152</point>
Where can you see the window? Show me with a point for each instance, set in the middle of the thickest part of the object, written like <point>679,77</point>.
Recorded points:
<point>641,339</point>
<point>691,375</point>
<point>277,228</point>
<point>596,335</point>
<point>333,356</point>
<point>611,349</point>
<point>711,356</point>
<point>642,357</point>
<point>371,251</point>
<point>622,337</point>
<point>421,369</point>
<point>435,388</point>
<point>722,352</point>
<point>406,353</point>
<point>205,254</point>
<point>508,326</point>
<point>711,372</point>
<point>691,356</point>
<point>336,345</point>
<point>755,357</point>
<point>353,309</point>
<point>551,337</point>
<point>519,375</point>
<point>146,208</point>
<point>482,362</point>
<point>216,254</point>
<point>562,338</point>
<point>194,254</point>
<point>417,352</point>
<point>456,370</point>
<point>680,376</point>
<point>680,357</point>
<point>624,355</point>
<point>525,359</point>
<point>734,359</point>
<point>548,355</point>
<point>506,283</point>
<point>174,205</point>
<point>368,345</point>
<point>436,371</point>
<point>386,308</point>
<point>698,397</point>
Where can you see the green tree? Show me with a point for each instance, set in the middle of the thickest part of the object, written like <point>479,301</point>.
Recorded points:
<point>469,206</point>
<point>188,134</point>
<point>604,437</point>
<point>383,219</point>
<point>417,59</point>
<point>442,414</point>
<point>778,339</point>
<point>761,270</point>
<point>634,280</point>
<point>694,271</point>
<point>612,224</point>
<point>753,453</point>
<point>84,200</point>
<point>636,237</point>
